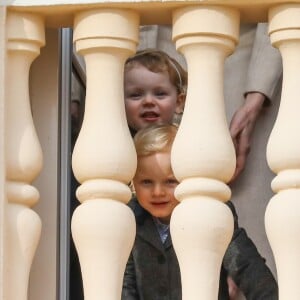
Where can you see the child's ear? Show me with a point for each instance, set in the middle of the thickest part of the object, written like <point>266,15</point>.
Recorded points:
<point>180,103</point>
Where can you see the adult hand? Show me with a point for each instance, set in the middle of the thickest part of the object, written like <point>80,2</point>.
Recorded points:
<point>242,126</point>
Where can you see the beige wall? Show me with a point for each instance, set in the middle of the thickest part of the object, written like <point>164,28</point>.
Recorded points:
<point>44,99</point>
<point>2,170</point>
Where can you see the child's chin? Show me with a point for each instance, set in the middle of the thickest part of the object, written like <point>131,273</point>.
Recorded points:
<point>164,219</point>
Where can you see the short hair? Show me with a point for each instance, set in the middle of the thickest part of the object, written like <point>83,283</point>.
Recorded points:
<point>158,61</point>
<point>153,139</point>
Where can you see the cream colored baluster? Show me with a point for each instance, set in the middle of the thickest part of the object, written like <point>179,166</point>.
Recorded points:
<point>203,156</point>
<point>282,217</point>
<point>104,158</point>
<point>23,155</point>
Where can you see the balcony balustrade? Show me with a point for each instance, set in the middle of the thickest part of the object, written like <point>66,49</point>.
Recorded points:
<point>104,159</point>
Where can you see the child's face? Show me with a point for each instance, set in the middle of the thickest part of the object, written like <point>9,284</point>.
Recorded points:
<point>154,184</point>
<point>150,98</point>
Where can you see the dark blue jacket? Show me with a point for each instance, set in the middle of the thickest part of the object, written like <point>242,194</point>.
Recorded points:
<point>152,271</point>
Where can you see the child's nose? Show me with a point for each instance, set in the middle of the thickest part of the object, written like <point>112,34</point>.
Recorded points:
<point>148,99</point>
<point>158,190</point>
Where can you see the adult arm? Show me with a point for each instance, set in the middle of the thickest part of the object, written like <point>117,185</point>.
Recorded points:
<point>247,267</point>
<point>263,76</point>
<point>265,67</point>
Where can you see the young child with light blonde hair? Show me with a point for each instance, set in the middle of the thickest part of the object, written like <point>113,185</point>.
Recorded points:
<point>152,271</point>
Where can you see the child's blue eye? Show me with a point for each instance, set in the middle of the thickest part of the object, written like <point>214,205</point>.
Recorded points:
<point>160,94</point>
<point>172,181</point>
<point>146,182</point>
<point>135,96</point>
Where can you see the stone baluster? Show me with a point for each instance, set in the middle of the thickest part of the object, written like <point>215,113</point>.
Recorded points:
<point>282,218</point>
<point>23,155</point>
<point>203,156</point>
<point>104,158</point>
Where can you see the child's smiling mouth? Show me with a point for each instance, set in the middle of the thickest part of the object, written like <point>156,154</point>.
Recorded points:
<point>159,204</point>
<point>150,116</point>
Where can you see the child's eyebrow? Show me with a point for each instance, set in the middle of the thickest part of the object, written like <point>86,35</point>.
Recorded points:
<point>142,175</point>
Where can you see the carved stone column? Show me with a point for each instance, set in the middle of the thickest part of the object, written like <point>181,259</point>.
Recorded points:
<point>282,217</point>
<point>104,159</point>
<point>23,155</point>
<point>203,156</point>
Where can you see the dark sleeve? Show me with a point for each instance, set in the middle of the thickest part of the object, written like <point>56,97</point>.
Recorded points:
<point>129,291</point>
<point>247,267</point>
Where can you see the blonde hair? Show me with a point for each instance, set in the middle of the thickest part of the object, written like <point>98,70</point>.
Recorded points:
<point>153,139</point>
<point>158,61</point>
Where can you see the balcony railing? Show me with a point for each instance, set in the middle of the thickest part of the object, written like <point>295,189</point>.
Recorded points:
<point>105,34</point>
